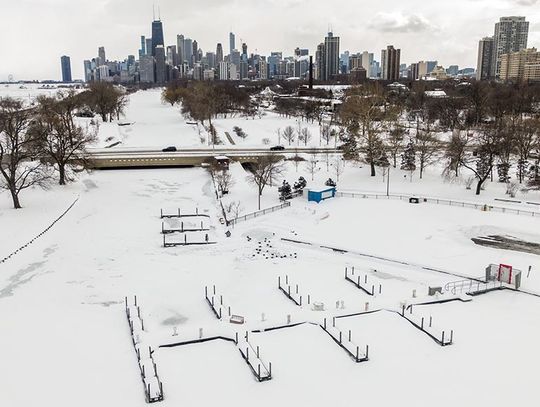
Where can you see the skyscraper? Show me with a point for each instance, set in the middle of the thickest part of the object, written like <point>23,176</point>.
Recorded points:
<point>485,58</point>
<point>161,67</point>
<point>101,55</point>
<point>319,62</point>
<point>244,52</point>
<point>157,35</point>
<point>367,63</point>
<point>188,51</point>
<point>331,57</point>
<point>146,69</point>
<point>511,35</point>
<point>195,47</point>
<point>87,70</point>
<point>219,53</point>
<point>142,51</point>
<point>390,60</point>
<point>66,68</point>
<point>232,43</point>
<point>180,48</point>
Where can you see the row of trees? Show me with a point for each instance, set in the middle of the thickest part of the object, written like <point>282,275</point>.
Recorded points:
<point>43,139</point>
<point>486,132</point>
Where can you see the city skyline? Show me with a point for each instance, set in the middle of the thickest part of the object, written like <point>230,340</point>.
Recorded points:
<point>429,34</point>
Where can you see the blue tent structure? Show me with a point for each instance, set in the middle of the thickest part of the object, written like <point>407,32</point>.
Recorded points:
<point>318,195</point>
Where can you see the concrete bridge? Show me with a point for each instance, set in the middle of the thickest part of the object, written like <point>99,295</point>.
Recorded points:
<point>110,158</point>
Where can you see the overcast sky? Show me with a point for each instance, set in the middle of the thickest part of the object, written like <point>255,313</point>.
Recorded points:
<point>35,33</point>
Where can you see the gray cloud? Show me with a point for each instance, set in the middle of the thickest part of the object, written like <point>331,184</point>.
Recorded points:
<point>400,23</point>
<point>526,2</point>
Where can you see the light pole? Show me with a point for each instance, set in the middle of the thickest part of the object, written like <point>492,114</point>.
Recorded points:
<point>388,182</point>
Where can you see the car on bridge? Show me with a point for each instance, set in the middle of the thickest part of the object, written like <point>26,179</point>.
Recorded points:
<point>277,148</point>
<point>170,149</point>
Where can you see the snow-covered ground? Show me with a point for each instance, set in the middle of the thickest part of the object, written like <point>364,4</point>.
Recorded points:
<point>66,339</point>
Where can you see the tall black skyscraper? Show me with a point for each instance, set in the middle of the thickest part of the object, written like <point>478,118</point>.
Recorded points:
<point>66,68</point>
<point>157,35</point>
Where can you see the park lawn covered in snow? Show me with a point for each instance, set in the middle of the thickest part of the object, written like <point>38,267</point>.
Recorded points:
<point>62,300</point>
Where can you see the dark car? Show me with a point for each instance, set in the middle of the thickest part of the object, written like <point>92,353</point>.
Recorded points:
<point>277,148</point>
<point>170,149</point>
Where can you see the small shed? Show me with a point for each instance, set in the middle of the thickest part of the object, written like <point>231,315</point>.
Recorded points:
<point>320,194</point>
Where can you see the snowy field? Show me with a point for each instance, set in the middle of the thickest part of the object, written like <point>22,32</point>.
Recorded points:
<point>157,125</point>
<point>66,338</point>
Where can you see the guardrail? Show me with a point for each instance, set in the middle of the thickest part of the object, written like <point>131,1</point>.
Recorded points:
<point>256,214</point>
<point>440,201</point>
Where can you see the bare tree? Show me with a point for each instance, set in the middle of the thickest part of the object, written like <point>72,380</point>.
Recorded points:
<point>455,152</point>
<point>288,134</point>
<point>105,99</point>
<point>482,160</point>
<point>233,209</point>
<point>305,135</point>
<point>59,137</point>
<point>224,180</point>
<point>395,142</point>
<point>18,148</point>
<point>312,166</point>
<point>339,166</point>
<point>265,171</point>
<point>526,136</point>
<point>427,149</point>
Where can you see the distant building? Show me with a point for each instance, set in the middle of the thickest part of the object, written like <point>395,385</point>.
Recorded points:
<point>188,51</point>
<point>180,49</point>
<point>161,67</point>
<point>331,57</point>
<point>390,61</point>
<point>101,55</point>
<point>157,36</point>
<point>224,69</point>
<point>88,75</point>
<point>142,50</point>
<point>146,69</point>
<point>485,58</point>
<point>520,66</point>
<point>219,53</point>
<point>232,43</point>
<point>452,70</point>
<point>65,63</point>
<point>367,63</point>
<point>511,34</point>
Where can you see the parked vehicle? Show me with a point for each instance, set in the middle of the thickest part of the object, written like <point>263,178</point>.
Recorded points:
<point>169,149</point>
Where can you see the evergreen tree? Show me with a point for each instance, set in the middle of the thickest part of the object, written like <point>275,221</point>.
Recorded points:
<point>408,157</point>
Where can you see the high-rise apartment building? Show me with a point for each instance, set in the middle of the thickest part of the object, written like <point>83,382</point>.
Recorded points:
<point>157,35</point>
<point>367,63</point>
<point>66,68</point>
<point>511,34</point>
<point>485,58</point>
<point>331,57</point>
<point>390,60</point>
<point>520,66</point>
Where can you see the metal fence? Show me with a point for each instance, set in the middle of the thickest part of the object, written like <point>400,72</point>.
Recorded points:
<point>258,213</point>
<point>440,201</point>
